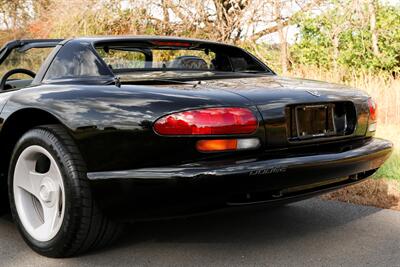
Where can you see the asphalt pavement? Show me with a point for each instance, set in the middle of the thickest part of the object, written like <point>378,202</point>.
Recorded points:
<point>308,233</point>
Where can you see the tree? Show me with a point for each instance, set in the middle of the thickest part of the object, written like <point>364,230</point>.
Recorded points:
<point>372,19</point>
<point>343,35</point>
<point>13,15</point>
<point>283,14</point>
<point>277,7</point>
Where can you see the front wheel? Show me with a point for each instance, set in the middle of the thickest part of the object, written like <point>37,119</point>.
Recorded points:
<point>50,198</point>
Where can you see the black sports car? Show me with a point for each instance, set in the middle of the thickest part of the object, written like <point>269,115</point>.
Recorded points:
<point>114,129</point>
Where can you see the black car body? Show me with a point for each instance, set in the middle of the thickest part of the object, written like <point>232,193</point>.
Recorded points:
<point>136,173</point>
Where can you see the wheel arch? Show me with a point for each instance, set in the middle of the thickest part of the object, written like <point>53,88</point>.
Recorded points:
<point>14,127</point>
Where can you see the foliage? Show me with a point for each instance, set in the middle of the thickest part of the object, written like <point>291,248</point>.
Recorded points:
<point>333,34</point>
<point>316,46</point>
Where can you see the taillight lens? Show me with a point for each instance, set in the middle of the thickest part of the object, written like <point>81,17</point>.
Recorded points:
<point>209,121</point>
<point>217,145</point>
<point>372,110</point>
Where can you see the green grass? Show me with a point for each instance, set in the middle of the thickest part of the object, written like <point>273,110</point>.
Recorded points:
<point>391,168</point>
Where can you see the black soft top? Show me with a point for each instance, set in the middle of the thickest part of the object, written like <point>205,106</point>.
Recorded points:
<point>26,44</point>
<point>143,38</point>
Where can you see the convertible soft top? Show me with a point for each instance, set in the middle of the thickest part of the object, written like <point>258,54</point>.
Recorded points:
<point>33,43</point>
<point>27,44</point>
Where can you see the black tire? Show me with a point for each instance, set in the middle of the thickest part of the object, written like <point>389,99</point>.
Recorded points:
<point>84,227</point>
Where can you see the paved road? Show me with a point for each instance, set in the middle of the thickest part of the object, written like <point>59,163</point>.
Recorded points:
<point>309,233</point>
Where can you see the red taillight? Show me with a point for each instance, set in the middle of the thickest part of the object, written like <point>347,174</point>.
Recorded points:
<point>372,110</point>
<point>210,121</point>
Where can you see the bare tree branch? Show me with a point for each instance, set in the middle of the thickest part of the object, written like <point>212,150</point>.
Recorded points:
<point>285,21</point>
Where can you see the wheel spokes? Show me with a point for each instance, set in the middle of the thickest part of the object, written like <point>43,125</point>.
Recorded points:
<point>51,218</point>
<point>30,182</point>
<point>39,197</point>
<point>51,209</point>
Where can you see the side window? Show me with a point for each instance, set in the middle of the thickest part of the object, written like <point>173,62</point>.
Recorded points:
<point>30,59</point>
<point>75,60</point>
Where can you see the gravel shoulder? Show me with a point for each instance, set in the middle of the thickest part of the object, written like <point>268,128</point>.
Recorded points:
<point>380,193</point>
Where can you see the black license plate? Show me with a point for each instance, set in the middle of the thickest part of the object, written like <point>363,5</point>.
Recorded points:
<point>314,121</point>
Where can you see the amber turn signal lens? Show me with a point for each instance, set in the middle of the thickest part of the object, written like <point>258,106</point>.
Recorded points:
<point>216,145</point>
<point>220,145</point>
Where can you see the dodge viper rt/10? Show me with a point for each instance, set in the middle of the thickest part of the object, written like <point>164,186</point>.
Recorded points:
<point>95,132</point>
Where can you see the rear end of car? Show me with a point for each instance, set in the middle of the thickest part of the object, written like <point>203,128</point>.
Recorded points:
<point>129,128</point>
<point>289,144</point>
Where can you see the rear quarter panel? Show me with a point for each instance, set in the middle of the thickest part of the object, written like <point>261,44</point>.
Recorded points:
<point>113,126</point>
<point>3,100</point>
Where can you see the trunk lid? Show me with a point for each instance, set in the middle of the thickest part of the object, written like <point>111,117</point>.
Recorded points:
<point>292,109</point>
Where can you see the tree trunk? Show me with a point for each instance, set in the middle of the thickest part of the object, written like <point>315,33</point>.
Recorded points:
<point>165,14</point>
<point>284,49</point>
<point>372,22</point>
<point>282,37</point>
<point>335,44</point>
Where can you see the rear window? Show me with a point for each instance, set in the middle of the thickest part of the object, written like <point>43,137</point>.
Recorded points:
<point>125,59</point>
<point>170,56</point>
<point>150,60</point>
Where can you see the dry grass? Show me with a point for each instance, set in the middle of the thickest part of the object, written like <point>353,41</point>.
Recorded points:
<point>382,87</point>
<point>390,132</point>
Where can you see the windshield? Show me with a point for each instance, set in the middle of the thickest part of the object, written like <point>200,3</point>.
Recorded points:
<point>160,59</point>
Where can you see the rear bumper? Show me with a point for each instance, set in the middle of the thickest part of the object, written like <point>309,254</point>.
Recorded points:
<point>190,188</point>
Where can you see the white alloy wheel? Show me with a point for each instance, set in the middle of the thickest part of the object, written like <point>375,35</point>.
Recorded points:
<point>39,195</point>
<point>50,196</point>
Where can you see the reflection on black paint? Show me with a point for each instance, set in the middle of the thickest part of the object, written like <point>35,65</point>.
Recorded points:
<point>113,125</point>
